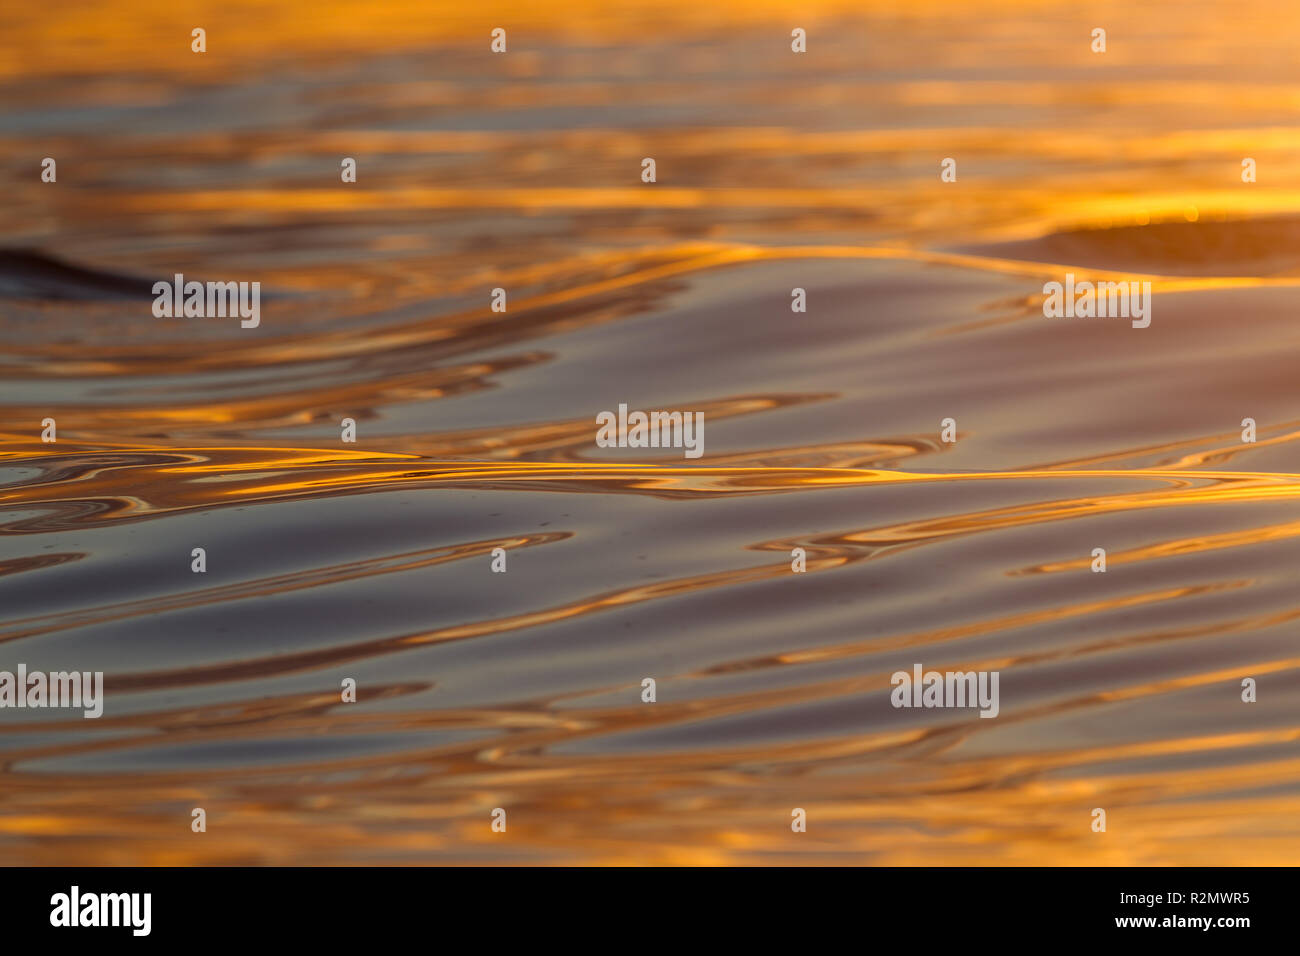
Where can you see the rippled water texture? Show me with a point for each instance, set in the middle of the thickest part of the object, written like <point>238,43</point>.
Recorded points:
<point>476,431</point>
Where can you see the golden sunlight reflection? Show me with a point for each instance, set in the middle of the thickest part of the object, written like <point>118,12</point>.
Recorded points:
<point>1170,448</point>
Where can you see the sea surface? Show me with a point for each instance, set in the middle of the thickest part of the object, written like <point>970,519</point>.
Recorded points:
<point>476,430</point>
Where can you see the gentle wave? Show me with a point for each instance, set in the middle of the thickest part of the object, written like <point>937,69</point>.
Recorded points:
<point>476,431</point>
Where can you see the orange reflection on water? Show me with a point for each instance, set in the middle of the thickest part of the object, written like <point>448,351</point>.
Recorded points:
<point>475,431</point>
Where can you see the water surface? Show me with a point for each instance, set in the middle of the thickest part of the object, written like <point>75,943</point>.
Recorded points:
<point>476,431</point>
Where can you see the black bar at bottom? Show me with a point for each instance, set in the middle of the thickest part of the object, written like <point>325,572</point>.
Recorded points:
<point>337,905</point>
